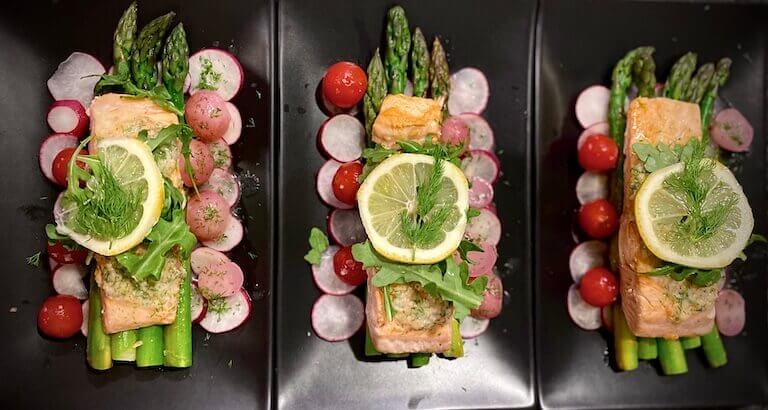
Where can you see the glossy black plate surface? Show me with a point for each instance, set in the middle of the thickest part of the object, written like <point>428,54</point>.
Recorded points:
<point>498,369</point>
<point>230,370</point>
<point>578,44</point>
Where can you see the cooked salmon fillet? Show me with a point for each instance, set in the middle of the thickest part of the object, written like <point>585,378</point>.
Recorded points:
<point>406,118</point>
<point>657,306</point>
<point>128,304</point>
<point>421,324</point>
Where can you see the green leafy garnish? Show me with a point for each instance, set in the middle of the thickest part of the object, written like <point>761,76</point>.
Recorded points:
<point>466,246</point>
<point>699,277</point>
<point>472,213</point>
<point>159,94</point>
<point>168,135</point>
<point>34,260</point>
<point>445,152</point>
<point>173,200</point>
<point>318,243</point>
<point>423,226</point>
<point>655,157</point>
<point>390,311</point>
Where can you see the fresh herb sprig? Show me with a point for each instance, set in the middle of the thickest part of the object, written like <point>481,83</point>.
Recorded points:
<point>699,277</point>
<point>423,226</point>
<point>318,243</point>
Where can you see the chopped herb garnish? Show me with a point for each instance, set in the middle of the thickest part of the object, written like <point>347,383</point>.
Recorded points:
<point>318,243</point>
<point>34,260</point>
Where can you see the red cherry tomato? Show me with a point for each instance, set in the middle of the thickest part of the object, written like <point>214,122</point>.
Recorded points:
<point>60,316</point>
<point>344,84</point>
<point>345,182</point>
<point>598,153</point>
<point>598,219</point>
<point>61,164</point>
<point>347,268</point>
<point>599,287</point>
<point>61,254</point>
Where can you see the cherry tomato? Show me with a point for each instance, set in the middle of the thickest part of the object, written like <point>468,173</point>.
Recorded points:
<point>345,182</point>
<point>61,254</point>
<point>61,164</point>
<point>60,316</point>
<point>344,84</point>
<point>598,219</point>
<point>599,287</point>
<point>347,268</point>
<point>598,153</point>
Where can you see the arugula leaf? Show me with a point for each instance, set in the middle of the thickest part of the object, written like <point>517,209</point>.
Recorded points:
<point>472,213</point>
<point>173,200</point>
<point>468,246</point>
<point>445,152</point>
<point>318,243</point>
<point>699,277</point>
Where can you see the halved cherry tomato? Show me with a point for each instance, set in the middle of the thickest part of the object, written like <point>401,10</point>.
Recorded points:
<point>60,316</point>
<point>63,255</point>
<point>347,268</point>
<point>599,287</point>
<point>599,219</point>
<point>345,182</point>
<point>598,153</point>
<point>61,164</point>
<point>344,84</point>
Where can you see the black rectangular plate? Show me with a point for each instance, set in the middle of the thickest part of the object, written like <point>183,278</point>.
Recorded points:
<point>578,44</point>
<point>497,371</point>
<point>230,370</point>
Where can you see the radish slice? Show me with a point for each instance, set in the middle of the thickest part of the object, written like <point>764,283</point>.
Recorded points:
<point>342,138</point>
<point>228,313</point>
<point>471,328</point>
<point>50,147</point>
<point>730,314</point>
<point>481,193</point>
<point>485,227</point>
<point>585,256</point>
<point>202,257</point>
<point>591,186</point>
<point>482,262</point>
<point>469,92</point>
<point>592,105</point>
<point>337,318</point>
<point>222,155</point>
<point>75,78</point>
<point>220,280</point>
<point>332,110</point>
<point>325,277</point>
<point>231,237</point>
<point>599,128</point>
<point>480,133</point>
<point>482,164</point>
<point>52,264</point>
<point>235,125</point>
<point>68,280</point>
<point>67,117</point>
<point>606,316</point>
<point>197,303</point>
<point>215,70</point>
<point>225,184</point>
<point>86,314</point>
<point>586,316</point>
<point>345,227</point>
<point>325,185</point>
<point>731,131</point>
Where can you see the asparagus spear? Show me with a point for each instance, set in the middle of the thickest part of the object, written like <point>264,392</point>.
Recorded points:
<point>644,75</point>
<point>708,101</point>
<point>178,335</point>
<point>124,37</point>
<point>713,348</point>
<point>147,47</point>
<point>377,90</point>
<point>98,345</point>
<point>457,345</point>
<point>625,343</point>
<point>420,359</point>
<point>699,83</point>
<point>420,64</point>
<point>370,349</point>
<point>396,53</point>
<point>439,74</point>
<point>150,350</point>
<point>176,64</point>
<point>646,348</point>
<point>672,357</point>
<point>123,346</point>
<point>690,342</point>
<point>680,77</point>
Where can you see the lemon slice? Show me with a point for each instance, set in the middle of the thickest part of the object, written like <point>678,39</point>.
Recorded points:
<point>118,225</point>
<point>662,216</point>
<point>390,189</point>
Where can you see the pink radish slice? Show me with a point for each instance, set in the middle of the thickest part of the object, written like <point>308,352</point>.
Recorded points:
<point>345,227</point>
<point>485,227</point>
<point>606,316</point>
<point>235,125</point>
<point>325,185</point>
<point>222,155</point>
<point>586,316</point>
<point>480,133</point>
<point>730,314</point>
<point>68,280</point>
<point>332,110</point>
<point>585,256</point>
<point>228,313</point>
<point>482,262</point>
<point>75,78</point>
<point>325,277</point>
<point>482,164</point>
<point>492,208</point>
<point>203,257</point>
<point>198,305</point>
<point>220,280</point>
<point>469,92</point>
<point>343,138</point>
<point>86,314</point>
<point>731,131</point>
<point>52,264</point>
<point>225,184</point>
<point>50,147</point>
<point>231,237</point>
<point>67,117</point>
<point>471,328</point>
<point>493,297</point>
<point>481,193</point>
<point>599,128</point>
<point>216,69</point>
<point>592,105</point>
<point>591,186</point>
<point>337,318</point>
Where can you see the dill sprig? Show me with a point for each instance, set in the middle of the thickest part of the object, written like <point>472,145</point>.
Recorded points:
<point>34,260</point>
<point>423,226</point>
